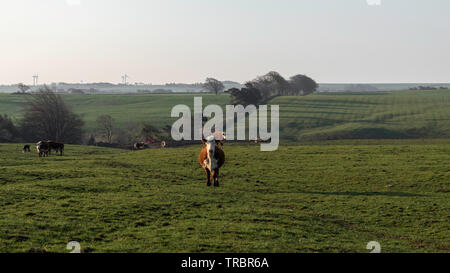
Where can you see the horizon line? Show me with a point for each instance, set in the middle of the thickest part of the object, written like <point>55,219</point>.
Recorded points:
<point>193,83</point>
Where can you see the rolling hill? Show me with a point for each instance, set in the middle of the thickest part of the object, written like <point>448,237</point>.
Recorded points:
<point>322,116</point>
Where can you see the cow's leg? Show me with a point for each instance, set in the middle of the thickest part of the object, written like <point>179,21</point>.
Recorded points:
<point>216,177</point>
<point>208,177</point>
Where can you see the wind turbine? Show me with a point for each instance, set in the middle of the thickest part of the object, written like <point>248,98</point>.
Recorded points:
<point>125,79</point>
<point>35,79</point>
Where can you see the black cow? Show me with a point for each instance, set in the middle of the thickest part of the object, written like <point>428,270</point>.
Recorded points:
<point>139,146</point>
<point>26,148</point>
<point>58,147</point>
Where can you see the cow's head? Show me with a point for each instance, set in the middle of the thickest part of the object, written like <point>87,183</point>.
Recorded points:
<point>218,135</point>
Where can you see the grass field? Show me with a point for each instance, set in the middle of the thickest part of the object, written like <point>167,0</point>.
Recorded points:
<point>125,109</point>
<point>330,197</point>
<point>378,115</point>
<point>400,114</point>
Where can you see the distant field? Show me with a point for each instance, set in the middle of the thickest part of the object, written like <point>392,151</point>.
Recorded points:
<point>125,109</point>
<point>303,198</point>
<point>399,114</point>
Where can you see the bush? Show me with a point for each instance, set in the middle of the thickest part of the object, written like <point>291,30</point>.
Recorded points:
<point>8,132</point>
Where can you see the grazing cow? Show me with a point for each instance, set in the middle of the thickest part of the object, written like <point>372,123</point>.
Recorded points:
<point>26,148</point>
<point>42,148</point>
<point>211,158</point>
<point>57,146</point>
<point>139,145</point>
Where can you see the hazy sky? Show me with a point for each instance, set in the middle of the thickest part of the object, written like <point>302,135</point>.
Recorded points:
<point>158,41</point>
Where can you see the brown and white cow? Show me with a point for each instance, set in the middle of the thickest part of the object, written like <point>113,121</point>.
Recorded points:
<point>211,158</point>
<point>42,148</point>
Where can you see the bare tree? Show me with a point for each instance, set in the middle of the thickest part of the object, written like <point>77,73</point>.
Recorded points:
<point>213,85</point>
<point>23,88</point>
<point>47,117</point>
<point>106,126</point>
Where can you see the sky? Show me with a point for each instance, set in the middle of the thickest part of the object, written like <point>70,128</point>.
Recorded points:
<point>160,41</point>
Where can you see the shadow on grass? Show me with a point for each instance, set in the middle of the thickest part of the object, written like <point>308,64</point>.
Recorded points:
<point>393,194</point>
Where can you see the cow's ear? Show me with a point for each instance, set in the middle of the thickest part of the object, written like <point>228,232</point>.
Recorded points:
<point>203,140</point>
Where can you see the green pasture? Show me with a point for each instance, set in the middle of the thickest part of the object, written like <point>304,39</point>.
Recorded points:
<point>316,197</point>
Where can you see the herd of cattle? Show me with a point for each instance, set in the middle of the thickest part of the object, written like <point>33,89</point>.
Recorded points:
<point>143,145</point>
<point>45,148</point>
<point>211,157</point>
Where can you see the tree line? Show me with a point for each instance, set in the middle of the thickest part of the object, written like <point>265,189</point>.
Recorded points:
<point>114,136</point>
<point>265,87</point>
<point>47,117</point>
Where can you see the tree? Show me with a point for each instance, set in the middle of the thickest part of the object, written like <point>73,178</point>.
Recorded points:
<point>124,137</point>
<point>106,126</point>
<point>302,85</point>
<point>47,117</point>
<point>246,96</point>
<point>8,132</point>
<point>271,84</point>
<point>213,85</point>
<point>22,88</point>
<point>91,140</point>
<point>149,131</point>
